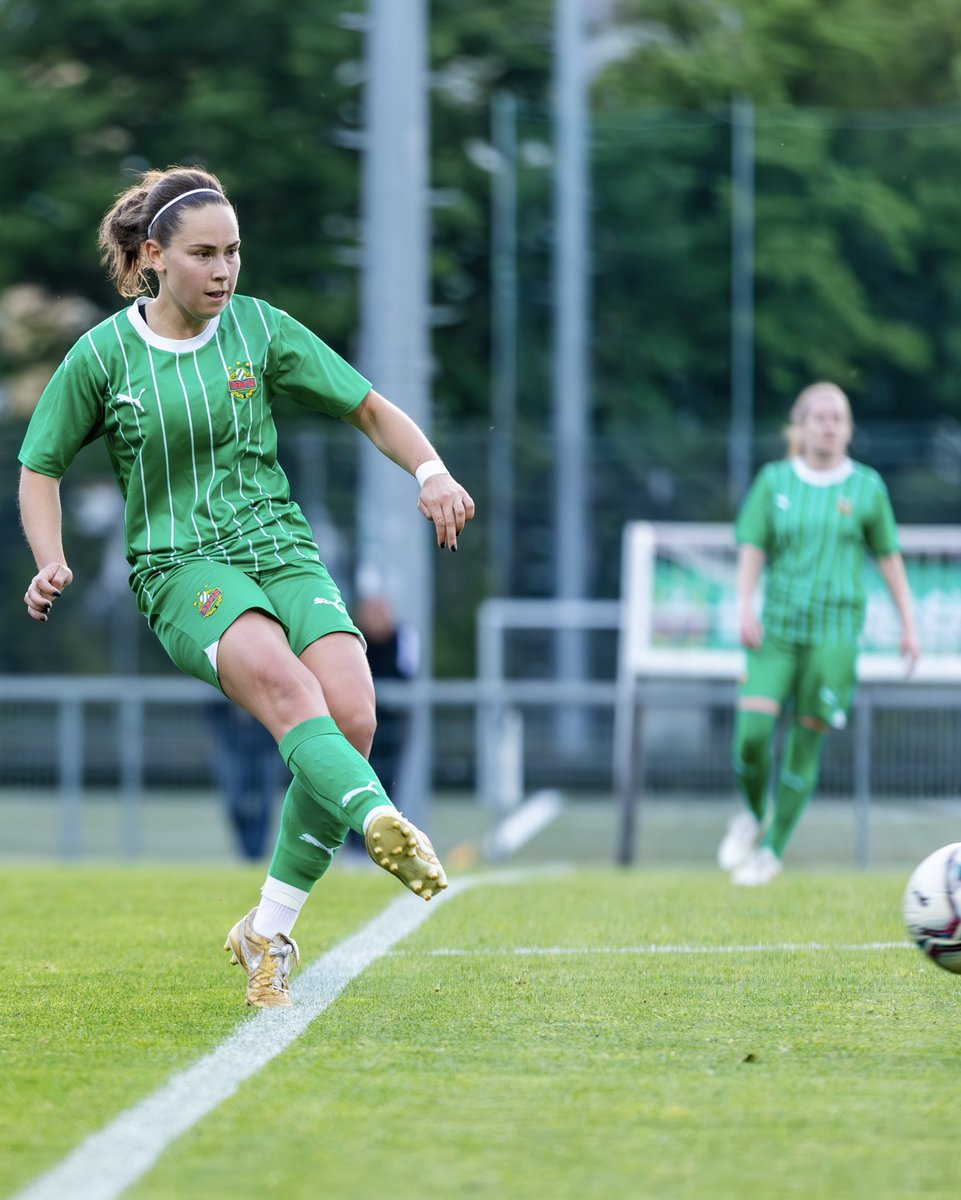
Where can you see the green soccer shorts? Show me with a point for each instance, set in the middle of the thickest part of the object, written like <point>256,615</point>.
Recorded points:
<point>817,681</point>
<point>199,601</point>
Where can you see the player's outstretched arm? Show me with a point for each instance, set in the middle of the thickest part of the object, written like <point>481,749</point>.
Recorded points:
<point>895,576</point>
<point>442,499</point>
<point>42,521</point>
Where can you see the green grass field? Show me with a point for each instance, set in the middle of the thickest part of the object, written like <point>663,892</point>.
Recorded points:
<point>524,1042</point>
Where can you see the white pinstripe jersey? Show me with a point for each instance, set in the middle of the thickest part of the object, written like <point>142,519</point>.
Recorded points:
<point>816,528</point>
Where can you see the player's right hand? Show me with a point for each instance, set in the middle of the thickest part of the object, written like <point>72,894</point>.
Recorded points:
<point>448,505</point>
<point>752,631</point>
<point>44,588</point>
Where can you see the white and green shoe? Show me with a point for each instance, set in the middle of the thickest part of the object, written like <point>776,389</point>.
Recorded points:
<point>740,841</point>
<point>762,867</point>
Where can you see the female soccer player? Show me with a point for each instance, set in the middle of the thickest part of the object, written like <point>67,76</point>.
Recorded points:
<point>808,520</point>
<point>223,563</point>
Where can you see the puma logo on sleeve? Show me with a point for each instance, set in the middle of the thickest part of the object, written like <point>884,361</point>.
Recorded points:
<point>123,398</point>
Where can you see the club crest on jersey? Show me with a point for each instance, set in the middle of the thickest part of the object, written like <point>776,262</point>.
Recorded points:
<point>845,506</point>
<point>208,601</point>
<point>241,381</point>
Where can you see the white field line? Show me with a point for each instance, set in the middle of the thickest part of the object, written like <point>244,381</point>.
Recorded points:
<point>110,1161</point>
<point>654,948</point>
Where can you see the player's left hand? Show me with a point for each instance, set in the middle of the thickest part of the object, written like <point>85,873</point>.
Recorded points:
<point>910,650</point>
<point>45,587</point>
<point>448,505</point>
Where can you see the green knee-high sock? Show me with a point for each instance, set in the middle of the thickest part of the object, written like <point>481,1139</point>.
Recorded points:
<point>795,787</point>
<point>330,770</point>
<point>308,838</point>
<point>753,739</point>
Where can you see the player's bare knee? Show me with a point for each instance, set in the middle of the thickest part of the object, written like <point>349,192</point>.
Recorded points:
<point>358,723</point>
<point>276,690</point>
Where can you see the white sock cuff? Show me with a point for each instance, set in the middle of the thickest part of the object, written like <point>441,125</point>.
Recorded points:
<point>284,893</point>
<point>376,812</point>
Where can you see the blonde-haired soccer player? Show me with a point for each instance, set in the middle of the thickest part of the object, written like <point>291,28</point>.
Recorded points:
<point>223,563</point>
<point>806,525</point>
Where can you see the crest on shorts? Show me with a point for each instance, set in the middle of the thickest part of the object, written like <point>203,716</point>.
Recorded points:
<point>241,381</point>
<point>208,601</point>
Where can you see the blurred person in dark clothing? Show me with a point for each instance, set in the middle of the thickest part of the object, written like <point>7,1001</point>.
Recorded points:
<point>250,774</point>
<point>393,652</point>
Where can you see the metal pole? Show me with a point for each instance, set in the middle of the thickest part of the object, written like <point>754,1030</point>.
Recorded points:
<point>863,722</point>
<point>742,299</point>
<point>633,782</point>
<point>395,546</point>
<point>503,340</point>
<point>489,711</point>
<point>70,770</point>
<point>571,291</point>
<point>130,754</point>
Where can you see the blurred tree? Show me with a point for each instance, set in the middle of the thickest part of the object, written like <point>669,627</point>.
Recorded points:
<point>857,239</point>
<point>858,236</point>
<point>93,92</point>
<point>857,185</point>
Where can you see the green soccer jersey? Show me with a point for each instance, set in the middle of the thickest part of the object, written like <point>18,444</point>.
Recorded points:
<point>815,527</point>
<point>190,433</point>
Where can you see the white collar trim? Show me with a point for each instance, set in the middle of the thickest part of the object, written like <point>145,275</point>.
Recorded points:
<point>826,478</point>
<point>176,345</point>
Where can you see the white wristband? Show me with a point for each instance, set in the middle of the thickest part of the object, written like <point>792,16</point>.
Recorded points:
<point>433,466</point>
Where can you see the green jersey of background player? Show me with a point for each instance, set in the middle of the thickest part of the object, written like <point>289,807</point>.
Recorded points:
<point>223,563</point>
<point>807,524</point>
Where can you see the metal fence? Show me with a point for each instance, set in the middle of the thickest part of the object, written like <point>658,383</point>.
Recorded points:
<point>495,736</point>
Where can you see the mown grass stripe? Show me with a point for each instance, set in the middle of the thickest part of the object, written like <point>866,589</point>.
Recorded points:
<point>111,1160</point>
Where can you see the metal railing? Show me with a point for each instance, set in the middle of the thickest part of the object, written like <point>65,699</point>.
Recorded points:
<point>67,753</point>
<point>495,700</point>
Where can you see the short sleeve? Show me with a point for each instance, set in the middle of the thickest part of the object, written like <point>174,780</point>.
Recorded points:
<point>68,415</point>
<point>753,525</point>
<point>880,530</point>
<point>311,373</point>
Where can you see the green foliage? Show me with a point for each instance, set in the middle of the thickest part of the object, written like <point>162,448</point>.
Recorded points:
<point>854,178</point>
<point>856,218</point>
<point>857,229</point>
<point>104,90</point>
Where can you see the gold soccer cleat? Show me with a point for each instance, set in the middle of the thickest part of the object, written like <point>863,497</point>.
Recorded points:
<point>267,962</point>
<point>400,848</point>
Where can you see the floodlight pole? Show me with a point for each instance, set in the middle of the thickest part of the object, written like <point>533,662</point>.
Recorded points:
<point>503,340</point>
<point>394,553</point>
<point>740,445</point>
<point>571,304</point>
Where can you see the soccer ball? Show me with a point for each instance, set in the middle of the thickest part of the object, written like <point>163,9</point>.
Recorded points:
<point>932,907</point>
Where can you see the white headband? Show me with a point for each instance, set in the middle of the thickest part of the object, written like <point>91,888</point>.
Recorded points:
<point>177,199</point>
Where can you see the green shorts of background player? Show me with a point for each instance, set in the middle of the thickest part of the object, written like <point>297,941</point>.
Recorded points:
<point>813,686</point>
